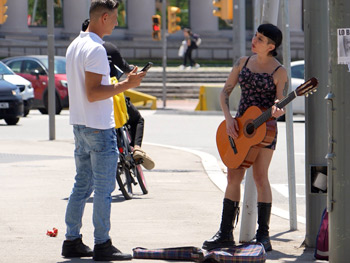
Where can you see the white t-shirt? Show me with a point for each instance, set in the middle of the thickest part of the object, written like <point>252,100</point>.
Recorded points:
<point>86,53</point>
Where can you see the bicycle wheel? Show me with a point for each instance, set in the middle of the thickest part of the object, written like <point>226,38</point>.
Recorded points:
<point>141,179</point>
<point>124,181</point>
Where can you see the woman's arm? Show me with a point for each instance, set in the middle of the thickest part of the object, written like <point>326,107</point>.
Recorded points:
<point>281,82</point>
<point>231,82</point>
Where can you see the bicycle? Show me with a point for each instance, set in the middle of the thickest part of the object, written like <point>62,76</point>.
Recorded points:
<point>128,170</point>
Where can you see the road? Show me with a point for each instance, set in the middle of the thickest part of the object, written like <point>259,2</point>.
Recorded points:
<point>190,130</point>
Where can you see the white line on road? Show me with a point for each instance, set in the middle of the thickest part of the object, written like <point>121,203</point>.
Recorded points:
<point>283,189</point>
<point>216,175</point>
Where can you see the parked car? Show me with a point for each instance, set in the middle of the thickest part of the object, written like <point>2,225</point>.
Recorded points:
<point>297,72</point>
<point>35,69</point>
<point>25,86</point>
<point>11,102</point>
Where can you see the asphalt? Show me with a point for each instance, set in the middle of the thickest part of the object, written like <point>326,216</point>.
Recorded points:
<point>182,208</point>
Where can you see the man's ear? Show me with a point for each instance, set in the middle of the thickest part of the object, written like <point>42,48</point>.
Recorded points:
<point>104,17</point>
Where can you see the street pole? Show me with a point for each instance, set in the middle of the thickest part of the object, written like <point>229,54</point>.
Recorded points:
<point>338,133</point>
<point>316,137</point>
<point>270,11</point>
<point>164,39</point>
<point>293,223</point>
<point>51,58</point>
<point>257,14</point>
<point>238,30</point>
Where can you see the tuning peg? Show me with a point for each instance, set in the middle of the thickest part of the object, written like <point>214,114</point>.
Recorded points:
<point>307,95</point>
<point>314,90</point>
<point>310,92</point>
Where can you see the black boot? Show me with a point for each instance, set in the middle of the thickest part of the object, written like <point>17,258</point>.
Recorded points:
<point>75,248</point>
<point>107,252</point>
<point>262,234</point>
<point>224,237</point>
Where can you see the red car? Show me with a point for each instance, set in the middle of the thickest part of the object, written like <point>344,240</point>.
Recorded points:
<point>35,69</point>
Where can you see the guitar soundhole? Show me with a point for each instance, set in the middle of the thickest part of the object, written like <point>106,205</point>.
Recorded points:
<point>250,129</point>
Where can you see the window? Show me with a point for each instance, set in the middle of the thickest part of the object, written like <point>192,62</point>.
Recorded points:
<point>15,66</point>
<point>4,70</point>
<point>60,64</point>
<point>30,66</point>
<point>37,15</point>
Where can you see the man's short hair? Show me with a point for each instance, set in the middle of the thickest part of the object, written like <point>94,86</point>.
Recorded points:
<point>101,6</point>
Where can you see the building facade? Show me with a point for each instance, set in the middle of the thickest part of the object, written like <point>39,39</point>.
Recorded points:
<point>19,36</point>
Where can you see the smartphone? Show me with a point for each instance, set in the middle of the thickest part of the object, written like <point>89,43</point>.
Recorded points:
<point>147,67</point>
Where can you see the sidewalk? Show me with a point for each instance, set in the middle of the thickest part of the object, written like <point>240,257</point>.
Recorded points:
<point>183,207</point>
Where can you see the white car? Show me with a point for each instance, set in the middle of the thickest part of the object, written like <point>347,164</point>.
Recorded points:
<point>297,71</point>
<point>25,86</point>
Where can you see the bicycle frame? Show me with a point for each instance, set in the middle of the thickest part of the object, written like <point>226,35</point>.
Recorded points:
<point>128,168</point>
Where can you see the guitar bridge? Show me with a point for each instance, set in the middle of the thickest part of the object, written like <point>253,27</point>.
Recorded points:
<point>233,145</point>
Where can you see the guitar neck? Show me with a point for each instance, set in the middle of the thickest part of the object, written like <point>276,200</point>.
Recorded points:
<point>266,115</point>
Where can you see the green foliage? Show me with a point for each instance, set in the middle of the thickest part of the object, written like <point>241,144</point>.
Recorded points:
<point>41,14</point>
<point>122,14</point>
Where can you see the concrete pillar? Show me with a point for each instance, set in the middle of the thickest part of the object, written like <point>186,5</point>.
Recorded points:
<point>139,17</point>
<point>316,65</point>
<point>338,155</point>
<point>74,14</point>
<point>202,20</point>
<point>16,23</point>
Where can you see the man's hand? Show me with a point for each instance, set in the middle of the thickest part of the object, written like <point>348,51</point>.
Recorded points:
<point>134,78</point>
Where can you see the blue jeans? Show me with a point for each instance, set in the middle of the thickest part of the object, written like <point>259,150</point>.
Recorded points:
<point>96,157</point>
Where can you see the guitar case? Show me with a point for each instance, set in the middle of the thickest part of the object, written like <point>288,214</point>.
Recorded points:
<point>245,253</point>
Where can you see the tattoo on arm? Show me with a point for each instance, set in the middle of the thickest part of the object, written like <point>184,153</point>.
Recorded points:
<point>237,63</point>
<point>227,91</point>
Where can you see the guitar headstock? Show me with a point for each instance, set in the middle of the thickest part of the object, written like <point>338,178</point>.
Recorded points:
<point>308,87</point>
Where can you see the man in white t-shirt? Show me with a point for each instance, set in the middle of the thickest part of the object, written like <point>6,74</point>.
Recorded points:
<point>91,114</point>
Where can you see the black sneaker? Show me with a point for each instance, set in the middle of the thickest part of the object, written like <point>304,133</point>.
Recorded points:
<point>265,240</point>
<point>219,241</point>
<point>107,252</point>
<point>75,249</point>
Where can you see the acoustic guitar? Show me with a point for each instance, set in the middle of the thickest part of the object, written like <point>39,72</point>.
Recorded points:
<point>257,129</point>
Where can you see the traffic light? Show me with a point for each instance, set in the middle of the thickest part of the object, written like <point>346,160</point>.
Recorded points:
<point>173,19</point>
<point>3,10</point>
<point>156,27</point>
<point>226,9</point>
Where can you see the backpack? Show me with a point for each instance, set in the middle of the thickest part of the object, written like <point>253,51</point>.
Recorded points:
<point>197,39</point>
<point>249,252</point>
<point>321,250</point>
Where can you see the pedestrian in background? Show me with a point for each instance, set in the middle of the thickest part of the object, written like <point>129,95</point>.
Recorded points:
<point>262,80</point>
<point>91,114</point>
<point>192,43</point>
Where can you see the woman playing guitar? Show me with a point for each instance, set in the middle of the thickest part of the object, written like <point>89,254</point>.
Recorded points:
<point>262,80</point>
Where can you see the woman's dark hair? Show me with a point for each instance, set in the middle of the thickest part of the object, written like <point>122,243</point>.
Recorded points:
<point>188,30</point>
<point>85,25</point>
<point>273,33</point>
